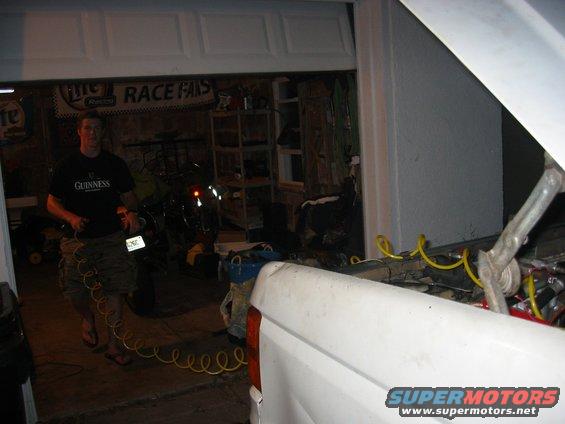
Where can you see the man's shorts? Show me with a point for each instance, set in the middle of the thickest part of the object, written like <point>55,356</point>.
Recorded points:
<point>115,267</point>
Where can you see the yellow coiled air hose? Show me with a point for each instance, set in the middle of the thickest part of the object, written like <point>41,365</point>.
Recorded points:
<point>203,365</point>
<point>383,244</point>
<point>529,280</point>
<point>385,247</point>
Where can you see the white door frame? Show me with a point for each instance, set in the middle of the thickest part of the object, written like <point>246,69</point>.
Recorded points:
<point>7,274</point>
<point>373,111</point>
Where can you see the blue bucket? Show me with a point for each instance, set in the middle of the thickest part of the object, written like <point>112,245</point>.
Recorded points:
<point>241,272</point>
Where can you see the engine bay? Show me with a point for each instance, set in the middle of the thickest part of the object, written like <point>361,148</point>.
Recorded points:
<point>540,298</point>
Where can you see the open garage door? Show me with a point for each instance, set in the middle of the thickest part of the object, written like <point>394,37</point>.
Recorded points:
<point>109,39</point>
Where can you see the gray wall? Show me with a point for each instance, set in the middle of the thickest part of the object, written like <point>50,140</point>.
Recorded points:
<point>445,140</point>
<point>523,163</point>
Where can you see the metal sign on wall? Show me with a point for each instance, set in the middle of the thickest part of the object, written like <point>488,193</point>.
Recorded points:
<point>111,98</point>
<point>16,120</point>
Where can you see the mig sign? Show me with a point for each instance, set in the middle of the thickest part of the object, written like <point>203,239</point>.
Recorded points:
<point>71,99</point>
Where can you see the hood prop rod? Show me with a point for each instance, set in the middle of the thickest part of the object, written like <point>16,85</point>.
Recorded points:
<point>498,269</point>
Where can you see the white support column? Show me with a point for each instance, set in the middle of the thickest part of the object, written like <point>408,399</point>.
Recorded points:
<point>371,60</point>
<point>7,274</point>
<point>6,264</point>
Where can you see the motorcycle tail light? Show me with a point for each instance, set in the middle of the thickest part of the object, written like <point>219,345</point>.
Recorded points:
<point>195,191</point>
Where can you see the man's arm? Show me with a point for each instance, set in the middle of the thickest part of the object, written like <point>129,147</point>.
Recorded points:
<point>56,208</point>
<point>129,199</point>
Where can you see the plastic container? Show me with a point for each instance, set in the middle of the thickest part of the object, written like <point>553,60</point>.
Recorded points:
<point>240,272</point>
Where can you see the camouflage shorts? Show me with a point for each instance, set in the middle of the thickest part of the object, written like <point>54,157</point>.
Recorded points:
<point>114,267</point>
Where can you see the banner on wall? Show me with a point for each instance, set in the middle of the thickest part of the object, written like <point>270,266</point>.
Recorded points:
<point>111,98</point>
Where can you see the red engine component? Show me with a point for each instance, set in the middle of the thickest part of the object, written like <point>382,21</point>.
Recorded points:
<point>518,313</point>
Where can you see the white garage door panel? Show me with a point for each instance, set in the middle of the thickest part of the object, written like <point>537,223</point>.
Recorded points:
<point>50,36</point>
<point>233,34</point>
<point>146,35</point>
<point>311,34</point>
<point>71,40</point>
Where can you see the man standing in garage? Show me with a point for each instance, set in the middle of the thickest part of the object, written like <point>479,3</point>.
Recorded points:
<point>86,188</point>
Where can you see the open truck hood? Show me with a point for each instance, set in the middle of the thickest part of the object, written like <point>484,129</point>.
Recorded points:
<point>516,48</point>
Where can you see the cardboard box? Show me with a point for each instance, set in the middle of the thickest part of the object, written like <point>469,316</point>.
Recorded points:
<point>223,249</point>
<point>228,236</point>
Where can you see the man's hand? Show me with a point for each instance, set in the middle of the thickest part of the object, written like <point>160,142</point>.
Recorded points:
<point>55,207</point>
<point>130,202</point>
<point>132,223</point>
<point>78,223</point>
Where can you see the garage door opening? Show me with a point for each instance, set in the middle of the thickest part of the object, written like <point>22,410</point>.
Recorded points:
<point>245,160</point>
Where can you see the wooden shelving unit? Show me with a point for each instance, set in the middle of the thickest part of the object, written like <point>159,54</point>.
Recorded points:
<point>239,138</point>
<point>289,157</point>
<point>290,152</point>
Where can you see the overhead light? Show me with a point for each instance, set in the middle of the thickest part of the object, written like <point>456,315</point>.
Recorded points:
<point>6,90</point>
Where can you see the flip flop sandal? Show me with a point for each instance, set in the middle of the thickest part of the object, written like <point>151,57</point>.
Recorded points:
<point>93,335</point>
<point>119,358</point>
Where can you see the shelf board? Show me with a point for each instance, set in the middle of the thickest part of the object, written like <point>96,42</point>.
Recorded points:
<point>283,151</point>
<point>253,221</point>
<point>257,148</point>
<point>297,186</point>
<point>289,100</point>
<point>248,183</point>
<point>226,130</point>
<point>230,113</point>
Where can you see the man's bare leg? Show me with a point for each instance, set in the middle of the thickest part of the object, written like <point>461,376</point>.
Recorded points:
<point>81,303</point>
<point>115,303</point>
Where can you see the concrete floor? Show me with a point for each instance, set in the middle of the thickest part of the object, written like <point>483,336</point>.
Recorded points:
<point>77,384</point>
<point>225,403</point>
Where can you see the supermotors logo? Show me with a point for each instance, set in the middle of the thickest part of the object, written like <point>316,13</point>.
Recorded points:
<point>451,402</point>
<point>87,96</point>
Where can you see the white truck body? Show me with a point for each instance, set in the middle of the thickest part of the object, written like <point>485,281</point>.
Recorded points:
<point>332,345</point>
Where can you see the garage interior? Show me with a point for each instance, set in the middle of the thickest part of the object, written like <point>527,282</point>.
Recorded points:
<point>240,133</point>
<point>292,132</point>
<point>172,153</point>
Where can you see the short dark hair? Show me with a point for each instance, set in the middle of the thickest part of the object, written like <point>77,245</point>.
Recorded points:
<point>88,114</point>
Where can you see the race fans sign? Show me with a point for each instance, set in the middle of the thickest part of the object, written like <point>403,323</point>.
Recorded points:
<point>111,98</point>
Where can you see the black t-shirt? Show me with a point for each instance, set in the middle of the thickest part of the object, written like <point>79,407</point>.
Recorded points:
<point>91,188</point>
